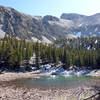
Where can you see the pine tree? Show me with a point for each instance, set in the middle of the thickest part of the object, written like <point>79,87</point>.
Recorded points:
<point>37,52</point>
<point>27,58</point>
<point>55,56</point>
<point>66,59</point>
<point>12,58</point>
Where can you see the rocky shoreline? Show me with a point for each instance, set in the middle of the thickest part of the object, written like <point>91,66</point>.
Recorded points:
<point>9,76</point>
<point>9,91</point>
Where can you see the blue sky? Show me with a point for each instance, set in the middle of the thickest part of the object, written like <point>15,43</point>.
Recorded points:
<point>54,7</point>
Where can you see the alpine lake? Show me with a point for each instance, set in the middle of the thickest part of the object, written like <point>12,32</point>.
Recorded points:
<point>58,81</point>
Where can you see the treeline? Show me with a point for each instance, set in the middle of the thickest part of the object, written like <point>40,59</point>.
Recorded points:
<point>16,53</point>
<point>71,57</point>
<point>89,43</point>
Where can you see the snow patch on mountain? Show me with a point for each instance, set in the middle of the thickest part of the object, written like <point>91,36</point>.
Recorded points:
<point>90,33</point>
<point>35,39</point>
<point>96,41</point>
<point>45,40</point>
<point>70,36</point>
<point>54,38</point>
<point>96,29</point>
<point>18,38</point>
<point>78,34</point>
<point>89,47</point>
<point>80,25</point>
<point>2,33</point>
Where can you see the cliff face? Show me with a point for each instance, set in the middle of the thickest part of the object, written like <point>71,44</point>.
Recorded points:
<point>84,25</point>
<point>47,28</point>
<point>19,25</point>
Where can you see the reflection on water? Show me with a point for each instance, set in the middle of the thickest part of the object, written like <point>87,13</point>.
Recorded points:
<point>53,81</point>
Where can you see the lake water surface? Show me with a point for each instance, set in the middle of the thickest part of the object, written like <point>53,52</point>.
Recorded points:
<point>58,81</point>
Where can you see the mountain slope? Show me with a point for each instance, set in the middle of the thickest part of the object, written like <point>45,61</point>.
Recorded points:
<point>47,28</point>
<point>84,25</point>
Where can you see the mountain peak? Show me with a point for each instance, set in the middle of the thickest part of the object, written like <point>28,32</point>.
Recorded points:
<point>50,18</point>
<point>71,16</point>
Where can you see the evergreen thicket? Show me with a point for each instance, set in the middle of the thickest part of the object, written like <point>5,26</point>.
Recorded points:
<point>81,53</point>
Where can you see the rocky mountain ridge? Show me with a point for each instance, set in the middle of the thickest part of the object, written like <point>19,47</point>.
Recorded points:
<point>47,28</point>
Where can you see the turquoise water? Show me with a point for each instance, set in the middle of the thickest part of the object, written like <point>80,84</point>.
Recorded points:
<point>57,81</point>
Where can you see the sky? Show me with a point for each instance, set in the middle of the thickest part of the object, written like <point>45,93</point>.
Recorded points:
<point>54,7</point>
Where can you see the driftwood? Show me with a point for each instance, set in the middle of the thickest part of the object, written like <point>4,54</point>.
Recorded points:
<point>93,96</point>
